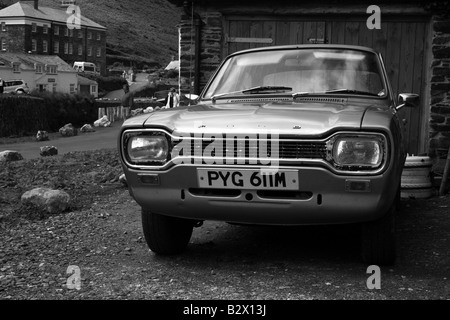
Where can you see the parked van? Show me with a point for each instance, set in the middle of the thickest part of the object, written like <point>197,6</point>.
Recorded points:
<point>15,86</point>
<point>87,67</point>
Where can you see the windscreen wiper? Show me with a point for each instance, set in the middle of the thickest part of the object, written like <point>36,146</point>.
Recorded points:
<point>259,89</point>
<point>335,91</point>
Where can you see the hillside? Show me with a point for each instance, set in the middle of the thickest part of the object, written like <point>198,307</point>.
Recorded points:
<point>136,28</point>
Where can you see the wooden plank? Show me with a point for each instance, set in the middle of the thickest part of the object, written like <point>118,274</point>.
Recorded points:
<point>282,34</point>
<point>269,29</point>
<point>418,86</point>
<point>309,31</point>
<point>392,58</point>
<point>256,31</point>
<point>296,32</point>
<point>379,39</point>
<point>337,32</point>
<point>405,78</point>
<point>352,33</point>
<point>365,35</point>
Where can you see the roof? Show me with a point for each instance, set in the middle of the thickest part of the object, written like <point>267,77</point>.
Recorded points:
<point>24,9</point>
<point>27,61</point>
<point>173,65</point>
<point>85,81</point>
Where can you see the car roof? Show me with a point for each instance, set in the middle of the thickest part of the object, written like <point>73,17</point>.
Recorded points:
<point>306,46</point>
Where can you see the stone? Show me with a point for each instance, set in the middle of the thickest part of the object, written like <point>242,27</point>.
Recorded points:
<point>42,135</point>
<point>10,155</point>
<point>48,151</point>
<point>148,110</point>
<point>102,122</point>
<point>53,201</point>
<point>68,130</point>
<point>123,179</point>
<point>87,128</point>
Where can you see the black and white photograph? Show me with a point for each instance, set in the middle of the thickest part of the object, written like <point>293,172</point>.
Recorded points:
<point>228,158</point>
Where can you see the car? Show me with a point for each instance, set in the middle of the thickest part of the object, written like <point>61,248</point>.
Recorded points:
<point>15,86</point>
<point>282,136</point>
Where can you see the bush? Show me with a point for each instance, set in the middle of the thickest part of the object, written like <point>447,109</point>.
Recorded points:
<point>25,115</point>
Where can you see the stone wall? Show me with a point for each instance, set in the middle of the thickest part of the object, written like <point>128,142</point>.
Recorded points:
<point>211,49</point>
<point>440,88</point>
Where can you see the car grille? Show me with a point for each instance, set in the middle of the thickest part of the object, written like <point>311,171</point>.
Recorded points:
<point>246,151</point>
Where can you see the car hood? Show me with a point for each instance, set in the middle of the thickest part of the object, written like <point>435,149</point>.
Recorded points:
<point>309,119</point>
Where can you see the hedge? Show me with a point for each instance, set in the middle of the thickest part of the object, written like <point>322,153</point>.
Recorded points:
<point>25,115</point>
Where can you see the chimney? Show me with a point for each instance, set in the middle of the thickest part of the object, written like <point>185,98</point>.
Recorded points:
<point>36,4</point>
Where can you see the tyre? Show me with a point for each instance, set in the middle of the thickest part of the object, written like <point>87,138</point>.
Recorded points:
<point>166,235</point>
<point>378,243</point>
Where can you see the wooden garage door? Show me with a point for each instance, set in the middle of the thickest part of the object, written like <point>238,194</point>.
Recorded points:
<point>402,43</point>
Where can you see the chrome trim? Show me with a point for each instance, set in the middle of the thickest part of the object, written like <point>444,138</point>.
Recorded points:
<point>293,163</point>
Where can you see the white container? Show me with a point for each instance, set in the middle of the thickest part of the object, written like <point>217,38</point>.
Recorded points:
<point>416,178</point>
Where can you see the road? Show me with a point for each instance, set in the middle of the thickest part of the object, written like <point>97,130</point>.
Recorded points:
<point>102,138</point>
<point>141,80</point>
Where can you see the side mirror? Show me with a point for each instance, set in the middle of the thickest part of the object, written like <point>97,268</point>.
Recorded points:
<point>408,100</point>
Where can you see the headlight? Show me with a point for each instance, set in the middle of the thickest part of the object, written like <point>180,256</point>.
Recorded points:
<point>143,149</point>
<point>354,152</point>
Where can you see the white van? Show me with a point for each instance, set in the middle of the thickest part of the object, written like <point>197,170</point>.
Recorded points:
<point>87,67</point>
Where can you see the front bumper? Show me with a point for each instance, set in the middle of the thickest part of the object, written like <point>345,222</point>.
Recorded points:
<point>323,197</point>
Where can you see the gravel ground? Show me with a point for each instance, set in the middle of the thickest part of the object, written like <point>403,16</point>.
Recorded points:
<point>101,234</point>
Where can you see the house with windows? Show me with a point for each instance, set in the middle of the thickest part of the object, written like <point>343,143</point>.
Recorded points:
<point>40,72</point>
<point>27,27</point>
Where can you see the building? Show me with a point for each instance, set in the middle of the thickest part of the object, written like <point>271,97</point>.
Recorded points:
<point>414,39</point>
<point>40,72</point>
<point>87,87</point>
<point>27,27</point>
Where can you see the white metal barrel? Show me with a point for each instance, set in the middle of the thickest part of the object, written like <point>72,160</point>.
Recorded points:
<point>416,178</point>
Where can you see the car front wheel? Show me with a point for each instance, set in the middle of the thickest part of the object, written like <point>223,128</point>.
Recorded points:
<point>378,239</point>
<point>166,235</point>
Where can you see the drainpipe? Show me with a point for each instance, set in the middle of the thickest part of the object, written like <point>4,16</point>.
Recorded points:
<point>188,9</point>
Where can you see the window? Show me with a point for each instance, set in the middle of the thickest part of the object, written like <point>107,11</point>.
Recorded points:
<point>72,88</point>
<point>54,87</point>
<point>51,69</point>
<point>80,50</point>
<point>89,51</point>
<point>93,89</point>
<point>38,68</point>
<point>56,47</point>
<point>16,67</point>
<point>45,29</point>
<point>33,45</point>
<point>70,48</point>
<point>66,48</point>
<point>89,35</point>
<point>99,52</point>
<point>66,32</point>
<point>56,31</point>
<point>33,27</point>
<point>3,26</point>
<point>99,37</point>
<point>44,46</point>
<point>3,44</point>
<point>70,32</point>
<point>80,33</point>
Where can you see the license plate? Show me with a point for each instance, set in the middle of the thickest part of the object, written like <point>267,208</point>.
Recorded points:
<point>247,179</point>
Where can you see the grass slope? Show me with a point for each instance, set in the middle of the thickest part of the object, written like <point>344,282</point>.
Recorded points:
<point>135,28</point>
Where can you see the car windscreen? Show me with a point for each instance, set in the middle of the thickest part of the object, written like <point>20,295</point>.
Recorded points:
<point>89,68</point>
<point>303,70</point>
